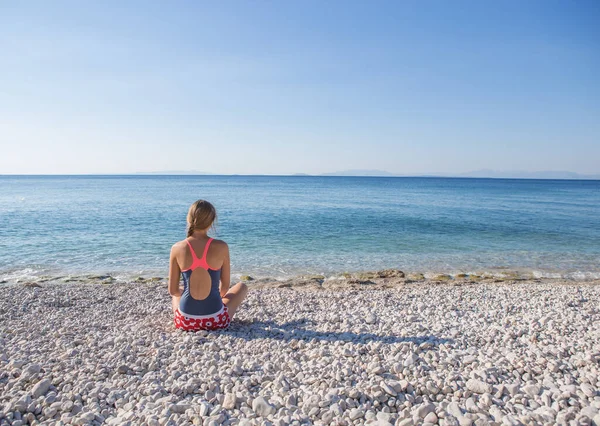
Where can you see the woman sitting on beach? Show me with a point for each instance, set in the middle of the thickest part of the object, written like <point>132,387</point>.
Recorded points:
<point>205,302</point>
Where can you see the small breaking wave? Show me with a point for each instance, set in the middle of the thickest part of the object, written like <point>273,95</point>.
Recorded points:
<point>31,275</point>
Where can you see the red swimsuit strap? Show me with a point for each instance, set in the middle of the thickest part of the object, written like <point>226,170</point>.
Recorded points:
<point>194,257</point>
<point>206,250</point>
<point>197,262</point>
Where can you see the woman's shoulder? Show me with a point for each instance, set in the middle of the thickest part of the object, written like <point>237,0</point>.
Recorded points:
<point>216,245</point>
<point>219,244</point>
<point>178,246</point>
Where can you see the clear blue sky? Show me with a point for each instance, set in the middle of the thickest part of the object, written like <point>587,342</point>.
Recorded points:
<point>278,87</point>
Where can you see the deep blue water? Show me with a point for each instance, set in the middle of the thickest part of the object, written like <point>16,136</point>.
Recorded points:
<point>282,226</point>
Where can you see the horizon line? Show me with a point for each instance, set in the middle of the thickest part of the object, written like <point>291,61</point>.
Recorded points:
<point>297,175</point>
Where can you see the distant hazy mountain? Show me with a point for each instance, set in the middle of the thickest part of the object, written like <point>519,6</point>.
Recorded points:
<point>474,174</point>
<point>175,172</point>
<point>519,174</point>
<point>484,173</point>
<point>360,172</point>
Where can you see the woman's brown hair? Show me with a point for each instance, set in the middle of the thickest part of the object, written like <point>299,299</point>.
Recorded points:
<point>201,215</point>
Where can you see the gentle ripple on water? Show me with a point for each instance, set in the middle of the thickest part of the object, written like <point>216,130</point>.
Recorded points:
<point>282,226</point>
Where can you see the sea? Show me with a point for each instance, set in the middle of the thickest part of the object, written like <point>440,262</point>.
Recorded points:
<point>284,226</point>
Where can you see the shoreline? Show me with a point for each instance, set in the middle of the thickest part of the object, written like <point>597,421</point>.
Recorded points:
<point>356,277</point>
<point>389,352</point>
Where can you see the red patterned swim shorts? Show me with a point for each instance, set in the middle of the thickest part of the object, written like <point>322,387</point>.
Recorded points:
<point>215,321</point>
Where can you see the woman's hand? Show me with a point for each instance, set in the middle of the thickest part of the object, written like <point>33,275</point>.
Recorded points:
<point>179,294</point>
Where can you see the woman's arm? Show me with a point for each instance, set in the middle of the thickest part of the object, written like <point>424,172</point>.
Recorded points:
<point>174,275</point>
<point>225,273</point>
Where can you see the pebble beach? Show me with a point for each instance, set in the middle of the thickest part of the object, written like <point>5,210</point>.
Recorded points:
<point>382,350</point>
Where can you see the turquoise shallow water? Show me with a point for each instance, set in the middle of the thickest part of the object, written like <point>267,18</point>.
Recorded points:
<point>283,226</point>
